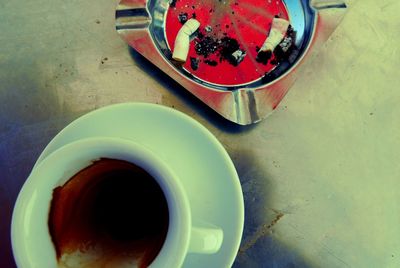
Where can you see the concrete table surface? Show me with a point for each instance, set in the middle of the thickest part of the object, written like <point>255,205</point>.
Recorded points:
<point>320,176</point>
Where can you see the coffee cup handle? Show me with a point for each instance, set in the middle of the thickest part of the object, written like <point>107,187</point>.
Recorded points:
<point>205,240</point>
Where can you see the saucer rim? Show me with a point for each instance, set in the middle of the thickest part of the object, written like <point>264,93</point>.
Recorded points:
<point>236,186</point>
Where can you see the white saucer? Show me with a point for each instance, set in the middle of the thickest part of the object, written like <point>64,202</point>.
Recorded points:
<point>196,156</point>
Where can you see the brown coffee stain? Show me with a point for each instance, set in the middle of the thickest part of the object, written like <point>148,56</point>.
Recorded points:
<point>111,212</point>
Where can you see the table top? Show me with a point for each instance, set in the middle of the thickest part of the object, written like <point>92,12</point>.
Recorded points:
<point>319,176</point>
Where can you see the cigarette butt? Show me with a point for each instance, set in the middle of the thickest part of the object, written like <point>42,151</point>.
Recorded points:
<point>182,41</point>
<point>237,57</point>
<point>278,30</point>
<point>181,49</point>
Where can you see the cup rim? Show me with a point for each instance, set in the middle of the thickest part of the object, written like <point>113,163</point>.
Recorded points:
<point>36,194</point>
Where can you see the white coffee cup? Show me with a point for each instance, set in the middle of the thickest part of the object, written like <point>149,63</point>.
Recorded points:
<point>31,241</point>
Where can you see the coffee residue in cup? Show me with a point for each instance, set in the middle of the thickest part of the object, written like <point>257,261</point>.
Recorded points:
<point>111,213</point>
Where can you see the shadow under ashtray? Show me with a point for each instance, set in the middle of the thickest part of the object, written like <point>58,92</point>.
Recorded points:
<point>238,57</point>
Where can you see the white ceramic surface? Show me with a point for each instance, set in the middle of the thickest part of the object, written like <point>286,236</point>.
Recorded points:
<point>193,154</point>
<point>30,217</point>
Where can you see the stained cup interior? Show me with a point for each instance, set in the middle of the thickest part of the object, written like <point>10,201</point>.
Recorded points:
<point>31,212</point>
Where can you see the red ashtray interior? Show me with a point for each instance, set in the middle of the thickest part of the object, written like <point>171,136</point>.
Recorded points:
<point>246,21</point>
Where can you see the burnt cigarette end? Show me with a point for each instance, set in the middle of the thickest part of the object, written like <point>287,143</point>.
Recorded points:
<point>286,44</point>
<point>264,56</point>
<point>286,48</point>
<point>236,57</point>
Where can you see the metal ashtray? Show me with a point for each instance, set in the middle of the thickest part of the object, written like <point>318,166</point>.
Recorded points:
<point>243,92</point>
